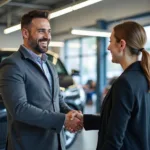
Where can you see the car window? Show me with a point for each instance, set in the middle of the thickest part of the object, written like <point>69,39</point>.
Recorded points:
<point>61,70</point>
<point>3,58</point>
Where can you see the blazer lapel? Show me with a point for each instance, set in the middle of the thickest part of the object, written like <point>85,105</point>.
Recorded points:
<point>27,56</point>
<point>105,99</point>
<point>50,68</point>
<point>107,96</point>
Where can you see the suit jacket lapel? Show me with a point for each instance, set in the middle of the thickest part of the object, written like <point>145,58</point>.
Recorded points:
<point>50,68</point>
<point>105,100</point>
<point>107,96</point>
<point>27,56</point>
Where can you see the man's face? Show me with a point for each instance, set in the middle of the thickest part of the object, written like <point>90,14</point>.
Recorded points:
<point>39,35</point>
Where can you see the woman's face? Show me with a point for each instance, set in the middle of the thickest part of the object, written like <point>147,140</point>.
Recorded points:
<point>115,49</point>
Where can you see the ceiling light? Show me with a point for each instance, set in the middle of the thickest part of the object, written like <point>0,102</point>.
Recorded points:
<point>8,49</point>
<point>4,2</point>
<point>56,44</point>
<point>84,4</point>
<point>58,13</point>
<point>73,8</point>
<point>12,29</point>
<point>88,32</point>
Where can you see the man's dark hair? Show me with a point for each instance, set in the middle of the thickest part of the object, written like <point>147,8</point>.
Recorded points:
<point>27,18</point>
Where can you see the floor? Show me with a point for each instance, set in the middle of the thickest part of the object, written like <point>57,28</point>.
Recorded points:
<point>86,140</point>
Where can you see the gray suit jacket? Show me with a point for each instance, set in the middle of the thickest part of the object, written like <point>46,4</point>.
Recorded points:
<point>35,114</point>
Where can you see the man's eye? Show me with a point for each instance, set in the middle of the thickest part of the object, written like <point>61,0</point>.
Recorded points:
<point>41,30</point>
<point>49,31</point>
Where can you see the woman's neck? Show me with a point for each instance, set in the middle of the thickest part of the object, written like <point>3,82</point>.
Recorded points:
<point>125,63</point>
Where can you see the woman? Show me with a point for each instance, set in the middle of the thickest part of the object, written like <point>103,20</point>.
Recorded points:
<point>124,123</point>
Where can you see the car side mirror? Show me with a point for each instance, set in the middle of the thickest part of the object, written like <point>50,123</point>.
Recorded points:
<point>75,72</point>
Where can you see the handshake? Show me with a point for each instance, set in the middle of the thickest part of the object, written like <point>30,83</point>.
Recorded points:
<point>74,121</point>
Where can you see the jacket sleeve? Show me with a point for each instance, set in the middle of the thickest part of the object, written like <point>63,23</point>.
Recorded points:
<point>91,122</point>
<point>12,89</point>
<point>122,106</point>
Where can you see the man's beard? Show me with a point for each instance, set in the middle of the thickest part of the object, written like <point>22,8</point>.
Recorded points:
<point>34,44</point>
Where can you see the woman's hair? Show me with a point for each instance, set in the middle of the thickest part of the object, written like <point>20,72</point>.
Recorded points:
<point>135,37</point>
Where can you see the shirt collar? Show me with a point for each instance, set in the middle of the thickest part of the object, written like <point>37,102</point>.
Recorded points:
<point>35,56</point>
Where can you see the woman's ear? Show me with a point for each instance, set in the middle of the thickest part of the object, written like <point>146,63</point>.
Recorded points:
<point>122,44</point>
<point>25,33</point>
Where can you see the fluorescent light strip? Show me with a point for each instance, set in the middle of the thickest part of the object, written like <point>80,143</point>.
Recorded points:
<point>90,33</point>
<point>4,2</point>
<point>8,49</point>
<point>84,4</point>
<point>56,44</point>
<point>60,12</point>
<point>73,8</point>
<point>57,13</point>
<point>12,29</point>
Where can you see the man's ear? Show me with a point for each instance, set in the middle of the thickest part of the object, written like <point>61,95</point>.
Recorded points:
<point>25,33</point>
<point>122,44</point>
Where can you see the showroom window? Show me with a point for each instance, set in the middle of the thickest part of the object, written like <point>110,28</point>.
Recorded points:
<point>72,54</point>
<point>73,47</point>
<point>147,46</point>
<point>88,46</point>
<point>81,55</point>
<point>88,59</point>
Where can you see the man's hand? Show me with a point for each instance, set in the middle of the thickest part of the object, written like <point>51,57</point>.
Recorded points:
<point>74,121</point>
<point>77,114</point>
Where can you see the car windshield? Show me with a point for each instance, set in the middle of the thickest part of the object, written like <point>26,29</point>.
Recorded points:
<point>61,70</point>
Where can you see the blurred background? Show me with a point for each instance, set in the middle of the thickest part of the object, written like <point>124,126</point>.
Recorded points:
<point>80,37</point>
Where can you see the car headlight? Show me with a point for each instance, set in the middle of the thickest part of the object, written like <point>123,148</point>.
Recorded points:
<point>75,92</point>
<point>82,94</point>
<point>78,101</point>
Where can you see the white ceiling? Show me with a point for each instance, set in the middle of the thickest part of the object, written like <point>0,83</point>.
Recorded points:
<point>107,9</point>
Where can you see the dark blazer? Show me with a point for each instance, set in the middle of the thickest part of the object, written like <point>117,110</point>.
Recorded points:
<point>35,113</point>
<point>124,123</point>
